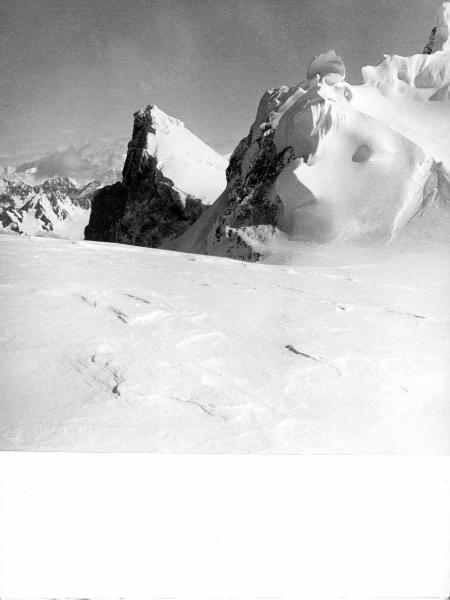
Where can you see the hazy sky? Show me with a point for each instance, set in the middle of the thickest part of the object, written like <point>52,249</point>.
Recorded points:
<point>72,70</point>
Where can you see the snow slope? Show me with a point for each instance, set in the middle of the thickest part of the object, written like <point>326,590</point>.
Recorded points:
<point>336,349</point>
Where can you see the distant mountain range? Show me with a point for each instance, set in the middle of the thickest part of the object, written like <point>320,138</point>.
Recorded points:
<point>101,160</point>
<point>51,195</point>
<point>56,208</point>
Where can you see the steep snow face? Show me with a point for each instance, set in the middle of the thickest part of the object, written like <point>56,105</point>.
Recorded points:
<point>193,166</point>
<point>327,161</point>
<point>52,209</point>
<point>411,96</point>
<point>136,349</point>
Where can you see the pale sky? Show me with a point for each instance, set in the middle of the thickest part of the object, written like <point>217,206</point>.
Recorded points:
<point>72,70</point>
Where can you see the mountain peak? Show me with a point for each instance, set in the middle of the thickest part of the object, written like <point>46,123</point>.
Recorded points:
<point>168,178</point>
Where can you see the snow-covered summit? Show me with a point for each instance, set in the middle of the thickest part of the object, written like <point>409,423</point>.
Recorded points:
<point>193,166</point>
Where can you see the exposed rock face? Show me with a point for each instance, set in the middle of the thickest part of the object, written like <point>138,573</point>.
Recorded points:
<point>429,46</point>
<point>147,208</point>
<point>252,210</point>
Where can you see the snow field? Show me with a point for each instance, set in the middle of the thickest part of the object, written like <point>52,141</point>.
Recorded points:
<point>108,347</point>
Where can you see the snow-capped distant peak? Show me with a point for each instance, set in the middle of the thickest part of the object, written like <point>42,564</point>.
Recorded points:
<point>59,180</point>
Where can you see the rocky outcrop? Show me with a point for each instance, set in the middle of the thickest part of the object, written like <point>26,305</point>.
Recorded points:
<point>430,44</point>
<point>440,34</point>
<point>147,208</point>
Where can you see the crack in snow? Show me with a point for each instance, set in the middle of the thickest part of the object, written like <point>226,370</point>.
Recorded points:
<point>113,378</point>
<point>291,348</point>
<point>200,405</point>
<point>137,298</point>
<point>91,303</point>
<point>119,314</point>
<point>407,314</point>
<point>347,307</point>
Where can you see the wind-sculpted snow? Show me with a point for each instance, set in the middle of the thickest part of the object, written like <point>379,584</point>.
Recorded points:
<point>108,347</point>
<point>326,161</point>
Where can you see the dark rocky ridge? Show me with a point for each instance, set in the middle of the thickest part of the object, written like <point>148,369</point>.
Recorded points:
<point>144,209</point>
<point>430,44</point>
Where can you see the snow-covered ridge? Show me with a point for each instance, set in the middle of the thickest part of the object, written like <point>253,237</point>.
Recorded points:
<point>327,161</point>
